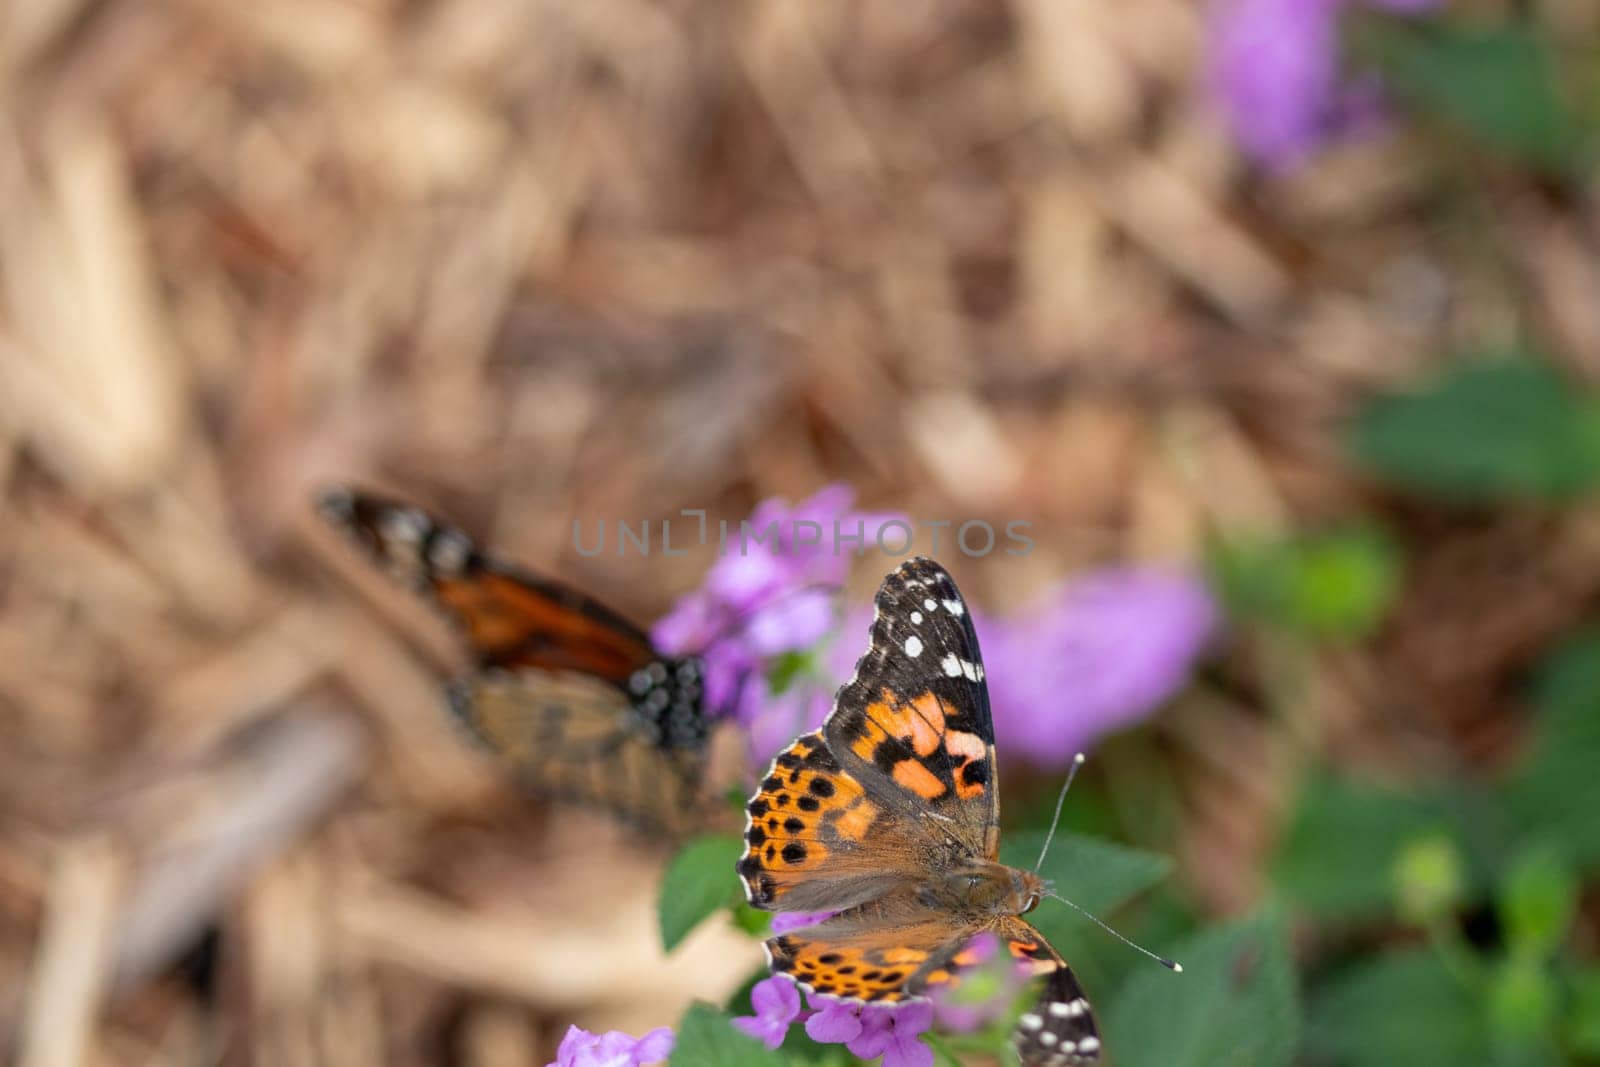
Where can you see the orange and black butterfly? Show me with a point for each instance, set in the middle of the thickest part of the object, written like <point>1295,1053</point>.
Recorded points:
<point>569,693</point>
<point>882,829</point>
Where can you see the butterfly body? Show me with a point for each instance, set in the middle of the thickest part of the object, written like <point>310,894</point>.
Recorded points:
<point>571,694</point>
<point>886,822</point>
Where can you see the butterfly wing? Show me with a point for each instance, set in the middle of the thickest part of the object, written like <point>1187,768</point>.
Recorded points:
<point>511,618</point>
<point>1059,1030</point>
<point>568,693</point>
<point>913,725</point>
<point>571,736</point>
<point>901,769</point>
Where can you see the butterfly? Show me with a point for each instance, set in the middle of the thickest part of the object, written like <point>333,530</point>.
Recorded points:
<point>888,819</point>
<point>568,692</point>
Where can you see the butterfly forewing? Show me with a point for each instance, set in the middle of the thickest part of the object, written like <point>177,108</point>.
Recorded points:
<point>568,692</point>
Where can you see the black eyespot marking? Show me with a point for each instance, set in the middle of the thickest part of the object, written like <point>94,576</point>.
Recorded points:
<point>821,787</point>
<point>793,825</point>
<point>808,804</point>
<point>756,836</point>
<point>758,807</point>
<point>830,958</point>
<point>794,852</point>
<point>772,783</point>
<point>976,772</point>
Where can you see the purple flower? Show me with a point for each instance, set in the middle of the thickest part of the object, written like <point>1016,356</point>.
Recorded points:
<point>1276,73</point>
<point>986,990</point>
<point>771,591</point>
<point>1093,656</point>
<point>777,1004</point>
<point>893,1034</point>
<point>580,1048</point>
<point>833,1022</point>
<point>785,921</point>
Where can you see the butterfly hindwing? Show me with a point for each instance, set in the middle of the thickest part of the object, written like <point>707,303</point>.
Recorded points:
<point>1059,1030</point>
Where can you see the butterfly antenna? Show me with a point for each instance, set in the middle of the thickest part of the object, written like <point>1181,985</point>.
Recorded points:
<point>1077,761</point>
<point>1168,964</point>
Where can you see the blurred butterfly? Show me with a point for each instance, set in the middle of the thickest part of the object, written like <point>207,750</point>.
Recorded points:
<point>569,693</point>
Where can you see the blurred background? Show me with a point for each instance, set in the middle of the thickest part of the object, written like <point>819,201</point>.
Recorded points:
<point>1300,297</point>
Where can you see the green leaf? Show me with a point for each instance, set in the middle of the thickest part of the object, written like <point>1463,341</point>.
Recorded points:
<point>706,1038</point>
<point>700,880</point>
<point>1235,1003</point>
<point>1336,584</point>
<point>1555,792</point>
<point>1538,902</point>
<point>1098,875</point>
<point>1404,1007</point>
<point>1497,85</point>
<point>1522,1003</point>
<point>1341,857</point>
<point>1583,1021</point>
<point>1486,430</point>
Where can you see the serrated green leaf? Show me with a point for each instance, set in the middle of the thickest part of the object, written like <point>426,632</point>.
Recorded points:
<point>706,1038</point>
<point>700,880</point>
<point>1401,1008</point>
<point>1498,85</point>
<point>1235,1003</point>
<point>1487,429</point>
<point>1098,875</point>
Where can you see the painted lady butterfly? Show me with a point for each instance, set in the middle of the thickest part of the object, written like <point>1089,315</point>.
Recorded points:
<point>569,693</point>
<point>888,817</point>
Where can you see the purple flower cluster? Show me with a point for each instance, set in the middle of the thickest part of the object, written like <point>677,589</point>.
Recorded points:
<point>1277,74</point>
<point>766,598</point>
<point>867,1030</point>
<point>1090,656</point>
<point>580,1048</point>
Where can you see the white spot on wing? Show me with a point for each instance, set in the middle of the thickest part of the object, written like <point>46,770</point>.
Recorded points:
<point>916,617</point>
<point>929,604</point>
<point>955,607</point>
<point>951,666</point>
<point>913,646</point>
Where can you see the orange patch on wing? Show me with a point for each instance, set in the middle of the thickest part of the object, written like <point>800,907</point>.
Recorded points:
<point>872,734</point>
<point>917,778</point>
<point>503,616</point>
<point>925,719</point>
<point>874,974</point>
<point>961,743</point>
<point>856,820</point>
<point>794,820</point>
